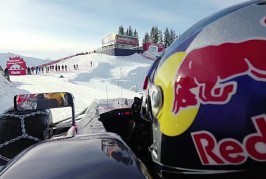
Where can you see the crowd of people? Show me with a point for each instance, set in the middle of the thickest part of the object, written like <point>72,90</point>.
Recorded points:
<point>41,69</point>
<point>50,68</point>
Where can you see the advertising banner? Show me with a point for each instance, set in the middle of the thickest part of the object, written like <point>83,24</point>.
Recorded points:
<point>152,50</point>
<point>126,40</point>
<point>119,39</point>
<point>16,66</point>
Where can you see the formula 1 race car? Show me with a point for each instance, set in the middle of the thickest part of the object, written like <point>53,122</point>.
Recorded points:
<point>109,139</point>
<point>106,139</point>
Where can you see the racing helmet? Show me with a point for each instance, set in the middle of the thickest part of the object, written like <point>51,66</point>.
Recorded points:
<point>60,97</point>
<point>206,95</point>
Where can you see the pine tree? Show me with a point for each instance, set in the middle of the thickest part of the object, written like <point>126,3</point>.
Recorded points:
<point>172,36</point>
<point>156,35</point>
<point>126,32</point>
<point>121,30</point>
<point>135,33</point>
<point>152,34</point>
<point>160,38</point>
<point>130,32</point>
<point>166,37</point>
<point>146,38</point>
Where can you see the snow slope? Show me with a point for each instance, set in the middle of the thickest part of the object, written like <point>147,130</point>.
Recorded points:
<point>107,77</point>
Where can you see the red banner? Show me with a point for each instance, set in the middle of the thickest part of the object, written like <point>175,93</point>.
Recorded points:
<point>16,66</point>
<point>126,40</point>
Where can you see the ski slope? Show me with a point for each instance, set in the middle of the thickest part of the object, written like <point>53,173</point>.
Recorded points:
<point>99,76</point>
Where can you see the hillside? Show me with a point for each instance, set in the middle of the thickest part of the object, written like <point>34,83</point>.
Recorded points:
<point>31,61</point>
<point>99,76</point>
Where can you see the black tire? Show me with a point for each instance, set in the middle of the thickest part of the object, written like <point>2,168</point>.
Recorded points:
<point>11,131</point>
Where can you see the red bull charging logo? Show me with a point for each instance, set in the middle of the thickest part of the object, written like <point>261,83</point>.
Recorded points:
<point>216,85</point>
<point>205,76</point>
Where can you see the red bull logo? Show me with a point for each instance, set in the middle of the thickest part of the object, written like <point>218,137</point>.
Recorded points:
<point>231,151</point>
<point>214,84</point>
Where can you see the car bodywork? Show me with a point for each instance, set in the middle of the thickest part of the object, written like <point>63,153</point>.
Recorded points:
<point>92,147</point>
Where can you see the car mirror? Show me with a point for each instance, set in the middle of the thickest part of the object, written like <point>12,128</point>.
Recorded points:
<point>38,101</point>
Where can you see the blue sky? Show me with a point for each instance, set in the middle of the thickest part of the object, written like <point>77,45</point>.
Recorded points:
<point>56,28</point>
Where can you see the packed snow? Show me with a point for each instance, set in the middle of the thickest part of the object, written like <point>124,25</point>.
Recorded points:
<point>98,76</point>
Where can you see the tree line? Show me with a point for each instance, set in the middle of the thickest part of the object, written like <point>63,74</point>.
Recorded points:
<point>155,36</point>
<point>128,31</point>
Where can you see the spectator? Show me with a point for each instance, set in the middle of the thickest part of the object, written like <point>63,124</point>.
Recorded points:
<point>36,69</point>
<point>1,70</point>
<point>29,71</point>
<point>7,74</point>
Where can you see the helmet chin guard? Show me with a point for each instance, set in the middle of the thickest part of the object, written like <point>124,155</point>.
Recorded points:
<point>151,103</point>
